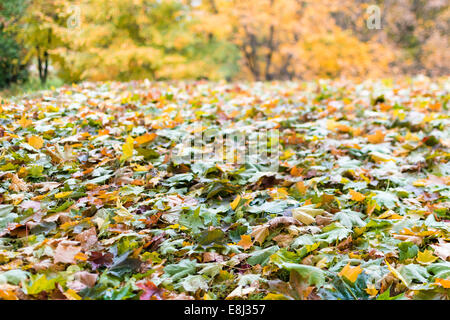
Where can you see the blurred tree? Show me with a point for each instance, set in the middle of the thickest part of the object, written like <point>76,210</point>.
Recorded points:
<point>41,22</point>
<point>138,39</point>
<point>13,68</point>
<point>240,39</point>
<point>416,30</point>
<point>291,39</point>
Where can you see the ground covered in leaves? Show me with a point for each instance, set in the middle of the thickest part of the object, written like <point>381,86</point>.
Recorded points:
<point>94,206</point>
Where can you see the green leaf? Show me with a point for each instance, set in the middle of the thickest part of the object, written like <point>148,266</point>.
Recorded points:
<point>6,214</point>
<point>413,272</point>
<point>408,250</point>
<point>313,275</point>
<point>180,270</point>
<point>387,199</point>
<point>261,257</point>
<point>211,236</point>
<point>40,283</point>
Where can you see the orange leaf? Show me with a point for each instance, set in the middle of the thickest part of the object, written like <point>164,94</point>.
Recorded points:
<point>356,196</point>
<point>443,282</point>
<point>145,138</point>
<point>8,295</point>
<point>377,137</point>
<point>81,256</point>
<point>296,172</point>
<point>103,132</point>
<point>245,242</point>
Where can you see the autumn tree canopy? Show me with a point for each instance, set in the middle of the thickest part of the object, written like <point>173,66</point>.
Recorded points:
<point>231,39</point>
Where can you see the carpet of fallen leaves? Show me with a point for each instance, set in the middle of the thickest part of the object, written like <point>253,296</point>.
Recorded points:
<point>92,205</point>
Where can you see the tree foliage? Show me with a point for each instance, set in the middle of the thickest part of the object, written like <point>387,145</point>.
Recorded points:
<point>12,59</point>
<point>231,39</point>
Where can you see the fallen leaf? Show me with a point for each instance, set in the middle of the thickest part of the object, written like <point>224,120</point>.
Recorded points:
<point>235,202</point>
<point>245,242</point>
<point>356,196</point>
<point>351,273</point>
<point>426,257</point>
<point>36,142</point>
<point>66,253</point>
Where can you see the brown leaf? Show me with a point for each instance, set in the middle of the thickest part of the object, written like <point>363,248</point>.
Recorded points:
<point>260,233</point>
<point>65,253</point>
<point>87,238</point>
<point>17,184</point>
<point>88,279</point>
<point>442,250</point>
<point>282,221</point>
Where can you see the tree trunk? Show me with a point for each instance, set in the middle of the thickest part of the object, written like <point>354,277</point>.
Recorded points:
<point>43,59</point>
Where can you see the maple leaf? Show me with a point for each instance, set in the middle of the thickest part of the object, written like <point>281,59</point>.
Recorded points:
<point>377,137</point>
<point>147,137</point>
<point>127,149</point>
<point>442,250</point>
<point>36,142</point>
<point>443,282</point>
<point>351,273</point>
<point>235,202</point>
<point>301,187</point>
<point>426,257</point>
<point>66,253</point>
<point>99,259</point>
<point>17,184</point>
<point>356,196</point>
<point>245,242</point>
<point>151,291</point>
<point>24,122</point>
<point>260,233</point>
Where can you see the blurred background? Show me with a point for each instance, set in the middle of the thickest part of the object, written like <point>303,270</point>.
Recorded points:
<point>52,42</point>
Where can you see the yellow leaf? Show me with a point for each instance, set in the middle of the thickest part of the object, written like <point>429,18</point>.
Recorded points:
<point>72,295</point>
<point>303,217</point>
<point>207,297</point>
<point>381,157</point>
<point>127,149</point>
<point>420,183</point>
<point>24,122</point>
<point>396,273</point>
<point>177,226</point>
<point>332,124</point>
<point>62,194</point>
<point>426,257</point>
<point>287,154</point>
<point>275,296</point>
<point>36,142</point>
<point>356,196</point>
<point>371,290</point>
<point>278,193</point>
<point>245,242</point>
<point>351,273</point>
<point>235,202</point>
